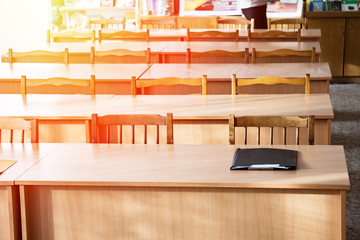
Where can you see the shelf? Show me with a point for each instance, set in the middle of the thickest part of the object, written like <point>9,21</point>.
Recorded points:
<point>333,14</point>
<point>75,9</point>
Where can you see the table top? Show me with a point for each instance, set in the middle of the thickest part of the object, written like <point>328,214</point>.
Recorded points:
<point>222,71</point>
<point>180,47</point>
<point>55,106</point>
<point>167,46</point>
<point>319,167</point>
<point>221,106</point>
<point>26,155</point>
<point>74,71</point>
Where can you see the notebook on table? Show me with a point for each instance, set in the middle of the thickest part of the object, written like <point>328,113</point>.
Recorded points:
<point>5,164</point>
<point>264,158</point>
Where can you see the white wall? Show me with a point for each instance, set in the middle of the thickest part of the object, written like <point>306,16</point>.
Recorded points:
<point>23,22</point>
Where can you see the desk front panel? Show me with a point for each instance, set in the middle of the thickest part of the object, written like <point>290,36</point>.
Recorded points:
<point>187,188</point>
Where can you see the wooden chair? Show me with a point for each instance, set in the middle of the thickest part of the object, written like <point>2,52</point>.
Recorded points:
<point>269,80</point>
<point>242,56</point>
<point>103,127</point>
<point>271,122</point>
<point>16,128</point>
<point>116,24</point>
<point>310,54</point>
<point>169,81</point>
<point>124,35</point>
<point>120,56</point>
<point>71,36</point>
<point>274,34</point>
<point>232,22</point>
<point>212,35</point>
<point>287,23</point>
<point>57,81</point>
<point>156,22</point>
<point>38,56</point>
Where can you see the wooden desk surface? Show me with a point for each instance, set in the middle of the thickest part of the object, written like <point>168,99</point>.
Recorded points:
<point>319,167</point>
<point>219,71</point>
<point>75,71</point>
<point>25,154</point>
<point>51,106</point>
<point>220,106</point>
<point>180,47</point>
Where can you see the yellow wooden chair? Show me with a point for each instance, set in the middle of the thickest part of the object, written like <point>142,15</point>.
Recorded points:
<point>169,81</point>
<point>57,81</point>
<point>269,80</point>
<point>241,56</point>
<point>38,56</point>
<point>103,127</point>
<point>120,56</point>
<point>14,130</point>
<point>308,54</point>
<point>212,35</point>
<point>158,22</point>
<point>287,23</point>
<point>274,34</point>
<point>124,35</point>
<point>233,22</point>
<point>271,122</point>
<point>71,36</point>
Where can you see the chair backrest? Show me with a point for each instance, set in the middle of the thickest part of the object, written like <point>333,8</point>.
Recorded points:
<point>274,34</point>
<point>124,35</point>
<point>120,56</point>
<point>109,128</point>
<point>15,129</point>
<point>232,22</point>
<point>271,122</point>
<point>169,81</point>
<point>308,54</point>
<point>38,56</point>
<point>269,80</point>
<point>212,35</point>
<point>57,81</point>
<point>109,23</point>
<point>71,36</point>
<point>287,23</point>
<point>241,56</point>
<point>156,22</point>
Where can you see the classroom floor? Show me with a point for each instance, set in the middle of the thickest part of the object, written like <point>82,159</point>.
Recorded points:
<point>345,130</point>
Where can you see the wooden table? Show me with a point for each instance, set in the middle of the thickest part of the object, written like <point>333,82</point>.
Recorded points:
<point>175,52</point>
<point>84,191</point>
<point>109,78</point>
<point>26,155</point>
<point>115,78</point>
<point>198,119</point>
<point>168,52</point>
<point>219,76</point>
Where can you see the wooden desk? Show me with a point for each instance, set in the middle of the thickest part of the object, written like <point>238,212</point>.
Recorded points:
<point>109,78</point>
<point>79,52</point>
<point>175,52</point>
<point>198,119</point>
<point>26,155</point>
<point>206,117</point>
<point>84,191</point>
<point>219,76</point>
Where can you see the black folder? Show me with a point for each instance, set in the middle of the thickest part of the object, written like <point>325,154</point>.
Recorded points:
<point>264,158</point>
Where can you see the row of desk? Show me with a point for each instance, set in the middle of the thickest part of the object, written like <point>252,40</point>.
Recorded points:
<point>167,52</point>
<point>197,119</point>
<point>115,78</point>
<point>91,191</point>
<point>181,35</point>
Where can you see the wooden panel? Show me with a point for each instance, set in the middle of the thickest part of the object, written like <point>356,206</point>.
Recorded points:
<point>352,49</point>
<point>332,41</point>
<point>9,214</point>
<point>181,213</point>
<point>196,22</point>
